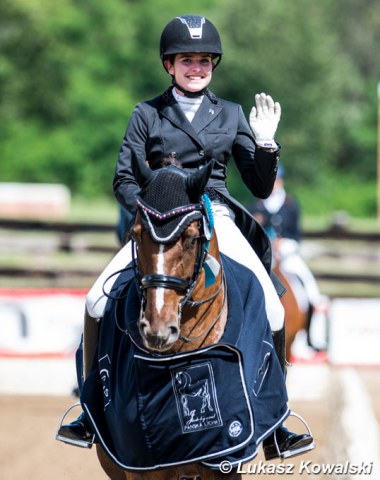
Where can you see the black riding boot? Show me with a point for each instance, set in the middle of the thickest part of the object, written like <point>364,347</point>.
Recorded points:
<point>310,311</point>
<point>280,348</point>
<point>282,443</point>
<point>77,433</point>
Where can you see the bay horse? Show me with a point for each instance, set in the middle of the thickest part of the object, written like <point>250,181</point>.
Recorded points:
<point>170,313</point>
<point>170,273</point>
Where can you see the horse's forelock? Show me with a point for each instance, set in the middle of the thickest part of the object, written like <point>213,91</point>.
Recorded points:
<point>171,160</point>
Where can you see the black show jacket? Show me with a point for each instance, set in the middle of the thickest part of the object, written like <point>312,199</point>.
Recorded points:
<point>219,131</point>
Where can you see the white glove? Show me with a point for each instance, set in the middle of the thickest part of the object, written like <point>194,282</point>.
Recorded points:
<point>264,119</point>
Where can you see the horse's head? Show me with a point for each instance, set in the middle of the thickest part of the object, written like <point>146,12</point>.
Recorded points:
<point>170,233</point>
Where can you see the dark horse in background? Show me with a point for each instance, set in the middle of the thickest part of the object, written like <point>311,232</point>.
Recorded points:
<point>181,304</point>
<point>296,317</point>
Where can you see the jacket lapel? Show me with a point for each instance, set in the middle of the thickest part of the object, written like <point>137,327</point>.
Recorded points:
<point>206,113</point>
<point>172,111</point>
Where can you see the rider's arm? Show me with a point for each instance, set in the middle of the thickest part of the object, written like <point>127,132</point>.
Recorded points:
<point>124,183</point>
<point>257,166</point>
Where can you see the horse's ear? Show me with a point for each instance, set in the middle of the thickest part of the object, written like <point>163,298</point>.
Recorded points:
<point>143,174</point>
<point>197,181</point>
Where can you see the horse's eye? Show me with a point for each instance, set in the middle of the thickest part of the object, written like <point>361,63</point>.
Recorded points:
<point>191,242</point>
<point>191,236</point>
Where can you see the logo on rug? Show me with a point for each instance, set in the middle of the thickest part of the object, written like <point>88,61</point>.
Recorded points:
<point>235,429</point>
<point>104,370</point>
<point>196,398</point>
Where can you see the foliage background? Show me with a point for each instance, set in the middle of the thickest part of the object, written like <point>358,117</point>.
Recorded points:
<point>72,71</point>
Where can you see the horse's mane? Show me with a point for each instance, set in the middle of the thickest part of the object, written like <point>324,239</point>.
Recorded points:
<point>171,160</point>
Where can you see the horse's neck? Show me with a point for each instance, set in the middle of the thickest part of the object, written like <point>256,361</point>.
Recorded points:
<point>204,323</point>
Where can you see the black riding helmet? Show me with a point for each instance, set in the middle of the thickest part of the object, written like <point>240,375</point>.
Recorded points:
<point>190,34</point>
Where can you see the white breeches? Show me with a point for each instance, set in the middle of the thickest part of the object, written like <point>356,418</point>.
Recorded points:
<point>231,242</point>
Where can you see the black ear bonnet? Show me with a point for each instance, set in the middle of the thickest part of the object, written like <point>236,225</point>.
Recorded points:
<point>167,205</point>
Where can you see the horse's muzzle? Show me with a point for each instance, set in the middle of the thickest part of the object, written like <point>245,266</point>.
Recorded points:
<point>158,339</point>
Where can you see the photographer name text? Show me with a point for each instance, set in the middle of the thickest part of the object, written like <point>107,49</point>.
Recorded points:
<point>307,468</point>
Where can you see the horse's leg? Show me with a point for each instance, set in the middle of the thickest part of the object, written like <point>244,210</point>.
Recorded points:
<point>111,469</point>
<point>116,473</point>
<point>204,473</point>
<point>192,471</point>
<point>199,472</point>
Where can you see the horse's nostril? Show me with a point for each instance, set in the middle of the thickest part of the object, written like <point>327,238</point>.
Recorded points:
<point>173,330</point>
<point>144,325</point>
<point>143,322</point>
<point>162,332</point>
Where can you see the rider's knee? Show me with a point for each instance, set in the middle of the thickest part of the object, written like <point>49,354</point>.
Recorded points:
<point>276,316</point>
<point>95,305</point>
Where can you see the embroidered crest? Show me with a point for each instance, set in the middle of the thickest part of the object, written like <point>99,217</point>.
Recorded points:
<point>196,399</point>
<point>235,429</point>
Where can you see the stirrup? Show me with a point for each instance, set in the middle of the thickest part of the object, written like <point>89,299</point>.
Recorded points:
<point>73,441</point>
<point>300,450</point>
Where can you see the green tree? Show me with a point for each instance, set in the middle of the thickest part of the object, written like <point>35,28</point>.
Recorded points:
<point>72,71</point>
<point>285,50</point>
<point>70,75</point>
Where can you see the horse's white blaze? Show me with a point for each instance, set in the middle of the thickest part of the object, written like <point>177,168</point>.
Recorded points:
<point>160,271</point>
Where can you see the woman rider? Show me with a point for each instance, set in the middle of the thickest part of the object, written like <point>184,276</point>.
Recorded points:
<point>190,122</point>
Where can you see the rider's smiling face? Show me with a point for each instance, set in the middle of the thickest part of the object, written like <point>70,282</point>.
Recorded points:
<point>192,71</point>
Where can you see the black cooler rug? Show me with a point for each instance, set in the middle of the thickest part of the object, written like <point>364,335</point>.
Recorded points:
<point>214,404</point>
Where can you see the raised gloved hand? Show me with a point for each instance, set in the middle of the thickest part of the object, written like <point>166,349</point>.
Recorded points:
<point>264,119</point>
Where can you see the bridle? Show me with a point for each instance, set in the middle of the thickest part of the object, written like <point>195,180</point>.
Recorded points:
<point>184,286</point>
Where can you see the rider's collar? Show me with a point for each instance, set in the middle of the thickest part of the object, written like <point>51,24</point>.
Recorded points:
<point>187,93</point>
<point>204,91</point>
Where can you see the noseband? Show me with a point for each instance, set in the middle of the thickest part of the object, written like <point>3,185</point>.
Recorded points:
<point>181,285</point>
